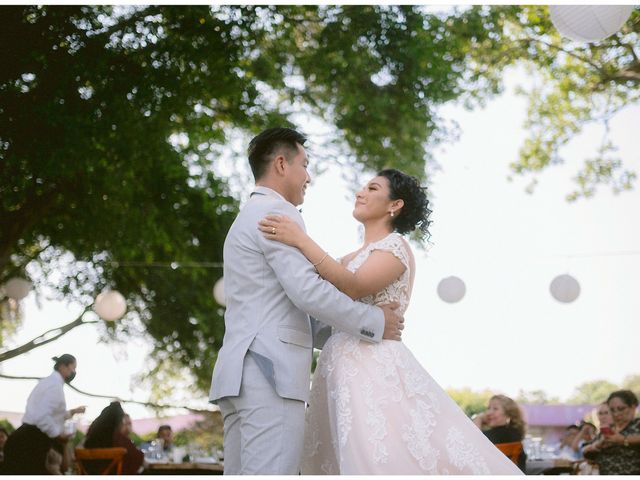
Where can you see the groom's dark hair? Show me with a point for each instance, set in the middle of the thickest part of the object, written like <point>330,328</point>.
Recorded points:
<point>270,141</point>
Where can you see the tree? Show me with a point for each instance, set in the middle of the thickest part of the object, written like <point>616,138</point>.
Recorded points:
<point>593,392</point>
<point>577,84</point>
<point>535,397</point>
<point>470,401</point>
<point>112,120</point>
<point>7,426</point>
<point>632,382</point>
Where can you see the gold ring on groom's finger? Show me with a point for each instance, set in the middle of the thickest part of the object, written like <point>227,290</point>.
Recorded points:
<point>273,230</point>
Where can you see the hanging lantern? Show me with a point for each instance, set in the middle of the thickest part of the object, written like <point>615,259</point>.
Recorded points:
<point>218,292</point>
<point>110,305</point>
<point>451,289</point>
<point>589,23</point>
<point>17,288</point>
<point>564,288</point>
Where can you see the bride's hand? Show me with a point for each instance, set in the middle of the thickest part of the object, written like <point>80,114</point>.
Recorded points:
<point>282,229</point>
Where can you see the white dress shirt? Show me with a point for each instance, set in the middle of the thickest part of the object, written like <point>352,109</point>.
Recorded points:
<point>46,406</point>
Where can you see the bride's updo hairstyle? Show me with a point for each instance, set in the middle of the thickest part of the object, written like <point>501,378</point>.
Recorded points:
<point>414,215</point>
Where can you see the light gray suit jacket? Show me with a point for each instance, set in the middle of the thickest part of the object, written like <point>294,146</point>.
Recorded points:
<point>271,289</point>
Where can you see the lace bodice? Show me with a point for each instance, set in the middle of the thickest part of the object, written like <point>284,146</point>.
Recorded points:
<point>399,290</point>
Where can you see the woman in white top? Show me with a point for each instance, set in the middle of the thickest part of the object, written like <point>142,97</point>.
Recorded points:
<point>43,422</point>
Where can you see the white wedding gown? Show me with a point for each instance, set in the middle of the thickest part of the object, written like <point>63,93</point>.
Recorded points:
<point>374,410</point>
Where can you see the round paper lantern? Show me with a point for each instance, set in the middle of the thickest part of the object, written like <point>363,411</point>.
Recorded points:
<point>17,288</point>
<point>589,23</point>
<point>218,292</point>
<point>110,305</point>
<point>451,289</point>
<point>564,288</point>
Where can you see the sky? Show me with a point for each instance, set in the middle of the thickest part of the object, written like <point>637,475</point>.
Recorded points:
<point>507,333</point>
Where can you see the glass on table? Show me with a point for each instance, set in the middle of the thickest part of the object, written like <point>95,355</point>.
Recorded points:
<point>536,448</point>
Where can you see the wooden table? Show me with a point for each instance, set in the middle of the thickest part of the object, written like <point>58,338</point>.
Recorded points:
<point>194,468</point>
<point>549,466</point>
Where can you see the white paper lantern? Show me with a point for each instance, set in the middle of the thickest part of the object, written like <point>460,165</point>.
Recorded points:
<point>110,305</point>
<point>589,23</point>
<point>564,288</point>
<point>451,289</point>
<point>218,292</point>
<point>17,288</point>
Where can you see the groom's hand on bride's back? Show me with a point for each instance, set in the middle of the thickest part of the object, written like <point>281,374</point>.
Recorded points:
<point>393,322</point>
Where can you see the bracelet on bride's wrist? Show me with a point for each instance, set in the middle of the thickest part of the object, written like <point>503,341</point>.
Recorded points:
<point>325,256</point>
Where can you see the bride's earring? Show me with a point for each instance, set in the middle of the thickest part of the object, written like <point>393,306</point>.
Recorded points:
<point>392,213</point>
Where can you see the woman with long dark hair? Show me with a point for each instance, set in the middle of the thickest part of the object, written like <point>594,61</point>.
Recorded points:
<point>106,431</point>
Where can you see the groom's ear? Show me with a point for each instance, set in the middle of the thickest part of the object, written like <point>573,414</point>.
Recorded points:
<point>279,164</point>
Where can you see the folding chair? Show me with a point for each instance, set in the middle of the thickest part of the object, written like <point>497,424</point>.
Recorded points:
<point>116,456</point>
<point>511,450</point>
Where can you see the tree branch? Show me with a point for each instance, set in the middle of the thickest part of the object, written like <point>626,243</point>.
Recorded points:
<point>45,337</point>
<point>15,269</point>
<point>625,76</point>
<point>112,397</point>
<point>627,47</point>
<point>573,54</point>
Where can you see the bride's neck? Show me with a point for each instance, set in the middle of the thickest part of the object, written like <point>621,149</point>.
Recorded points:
<point>376,231</point>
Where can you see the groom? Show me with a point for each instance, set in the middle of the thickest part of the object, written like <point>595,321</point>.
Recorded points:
<point>261,377</point>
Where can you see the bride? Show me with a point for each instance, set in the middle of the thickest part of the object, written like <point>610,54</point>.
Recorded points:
<point>373,408</point>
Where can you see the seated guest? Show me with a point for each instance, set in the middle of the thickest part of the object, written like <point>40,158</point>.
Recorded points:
<point>166,435</point>
<point>616,450</point>
<point>111,429</point>
<point>564,449</point>
<point>604,416</point>
<point>127,426</point>
<point>586,434</point>
<point>502,422</point>
<point>604,419</point>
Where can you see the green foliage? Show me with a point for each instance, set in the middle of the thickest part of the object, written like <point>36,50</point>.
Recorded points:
<point>113,119</point>
<point>593,392</point>
<point>576,84</point>
<point>205,434</point>
<point>139,440</point>
<point>632,382</point>
<point>535,397</point>
<point>4,423</point>
<point>471,402</point>
<point>78,438</point>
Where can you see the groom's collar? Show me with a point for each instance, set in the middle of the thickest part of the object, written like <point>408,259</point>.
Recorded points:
<point>260,190</point>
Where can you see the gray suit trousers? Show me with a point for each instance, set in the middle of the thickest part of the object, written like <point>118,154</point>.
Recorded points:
<point>263,432</point>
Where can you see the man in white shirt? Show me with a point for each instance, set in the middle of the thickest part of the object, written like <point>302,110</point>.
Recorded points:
<point>43,422</point>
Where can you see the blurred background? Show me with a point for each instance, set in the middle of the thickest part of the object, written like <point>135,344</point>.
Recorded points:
<point>123,132</point>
